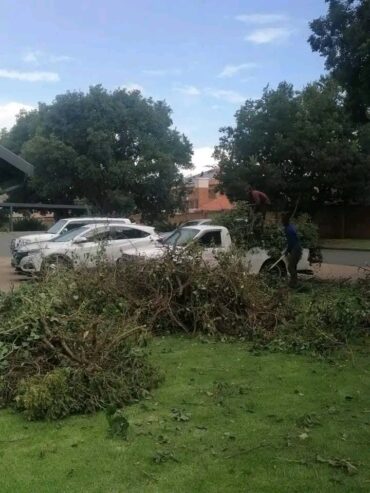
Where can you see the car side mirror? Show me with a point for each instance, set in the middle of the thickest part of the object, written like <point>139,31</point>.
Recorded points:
<point>81,239</point>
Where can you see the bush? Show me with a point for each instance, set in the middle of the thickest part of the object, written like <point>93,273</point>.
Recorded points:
<point>59,355</point>
<point>180,292</point>
<point>75,341</point>
<point>330,317</point>
<point>29,224</point>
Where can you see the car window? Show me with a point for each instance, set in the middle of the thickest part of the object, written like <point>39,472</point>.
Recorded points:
<point>190,223</point>
<point>181,237</point>
<point>69,235</point>
<point>211,239</point>
<point>122,233</point>
<point>57,227</point>
<point>98,235</point>
<point>74,225</point>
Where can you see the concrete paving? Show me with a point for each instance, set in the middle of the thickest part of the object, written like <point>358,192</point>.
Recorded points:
<point>8,277</point>
<point>6,238</point>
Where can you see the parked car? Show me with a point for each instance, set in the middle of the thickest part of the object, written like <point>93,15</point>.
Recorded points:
<point>214,240</point>
<point>194,222</point>
<point>197,222</point>
<point>60,227</point>
<point>84,246</point>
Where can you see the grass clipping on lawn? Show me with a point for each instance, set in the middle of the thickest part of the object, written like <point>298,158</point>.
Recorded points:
<point>74,342</point>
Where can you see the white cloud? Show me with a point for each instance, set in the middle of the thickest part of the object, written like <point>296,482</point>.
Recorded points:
<point>133,86</point>
<point>231,70</point>
<point>227,95</point>
<point>32,56</point>
<point>202,160</point>
<point>262,18</point>
<point>268,35</point>
<point>188,90</point>
<point>35,76</point>
<point>38,57</point>
<point>9,111</point>
<point>162,72</point>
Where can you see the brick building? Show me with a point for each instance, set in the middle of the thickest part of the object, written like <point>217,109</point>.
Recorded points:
<point>202,194</point>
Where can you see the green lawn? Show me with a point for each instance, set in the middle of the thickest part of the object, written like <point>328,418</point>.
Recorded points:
<point>243,422</point>
<point>352,244</point>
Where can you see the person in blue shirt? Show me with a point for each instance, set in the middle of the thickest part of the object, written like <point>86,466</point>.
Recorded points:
<point>293,251</point>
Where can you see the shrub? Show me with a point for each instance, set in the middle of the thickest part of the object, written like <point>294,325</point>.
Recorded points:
<point>29,224</point>
<point>59,355</point>
<point>330,317</point>
<point>180,292</point>
<point>75,341</point>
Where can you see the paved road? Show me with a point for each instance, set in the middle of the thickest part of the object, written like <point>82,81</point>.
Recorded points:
<point>346,257</point>
<point>5,239</point>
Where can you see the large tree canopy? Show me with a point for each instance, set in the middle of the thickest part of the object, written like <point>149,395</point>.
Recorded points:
<point>343,38</point>
<point>296,145</point>
<point>117,150</point>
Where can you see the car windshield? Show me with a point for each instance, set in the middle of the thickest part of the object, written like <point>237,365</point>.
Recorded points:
<point>58,226</point>
<point>71,234</point>
<point>191,223</point>
<point>181,237</point>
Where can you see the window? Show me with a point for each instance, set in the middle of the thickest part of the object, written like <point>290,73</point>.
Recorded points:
<point>71,226</point>
<point>181,237</point>
<point>97,235</point>
<point>211,239</point>
<point>70,235</point>
<point>121,233</point>
<point>212,192</point>
<point>57,227</point>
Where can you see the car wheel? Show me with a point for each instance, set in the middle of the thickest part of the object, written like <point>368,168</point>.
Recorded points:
<point>277,271</point>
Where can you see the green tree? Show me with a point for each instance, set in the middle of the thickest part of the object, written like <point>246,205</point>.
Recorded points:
<point>296,146</point>
<point>117,150</point>
<point>343,38</point>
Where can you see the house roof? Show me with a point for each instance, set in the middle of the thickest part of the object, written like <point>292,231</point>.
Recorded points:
<point>16,161</point>
<point>210,173</point>
<point>220,203</point>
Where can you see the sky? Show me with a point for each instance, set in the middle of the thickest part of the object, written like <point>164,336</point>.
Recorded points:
<point>204,57</point>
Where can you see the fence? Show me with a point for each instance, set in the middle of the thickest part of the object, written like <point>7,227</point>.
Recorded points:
<point>344,222</point>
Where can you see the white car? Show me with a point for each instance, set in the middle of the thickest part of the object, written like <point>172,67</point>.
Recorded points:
<point>214,240</point>
<point>193,222</point>
<point>84,246</point>
<point>60,227</point>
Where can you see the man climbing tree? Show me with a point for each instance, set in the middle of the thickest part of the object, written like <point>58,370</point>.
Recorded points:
<point>259,202</point>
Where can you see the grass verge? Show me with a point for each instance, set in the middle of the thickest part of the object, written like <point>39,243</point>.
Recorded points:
<point>225,420</point>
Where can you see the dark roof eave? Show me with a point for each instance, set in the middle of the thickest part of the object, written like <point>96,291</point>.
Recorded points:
<point>16,161</point>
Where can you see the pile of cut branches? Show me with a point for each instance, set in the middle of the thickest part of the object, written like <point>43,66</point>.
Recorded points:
<point>74,342</point>
<point>60,357</point>
<point>180,292</point>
